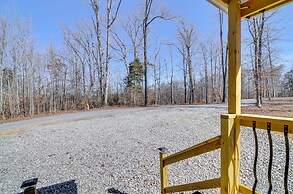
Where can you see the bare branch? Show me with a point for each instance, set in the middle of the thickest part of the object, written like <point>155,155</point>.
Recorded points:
<point>116,13</point>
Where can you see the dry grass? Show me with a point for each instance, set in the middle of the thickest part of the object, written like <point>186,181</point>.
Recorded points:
<point>21,118</point>
<point>279,107</point>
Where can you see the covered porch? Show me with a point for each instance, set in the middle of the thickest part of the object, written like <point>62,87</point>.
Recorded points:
<point>229,140</point>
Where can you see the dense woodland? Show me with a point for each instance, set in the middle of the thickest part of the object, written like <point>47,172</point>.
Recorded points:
<point>83,74</point>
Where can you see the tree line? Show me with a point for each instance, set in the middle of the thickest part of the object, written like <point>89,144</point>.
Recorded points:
<point>82,74</point>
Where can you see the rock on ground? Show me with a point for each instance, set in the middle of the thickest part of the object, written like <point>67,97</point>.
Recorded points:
<point>118,152</point>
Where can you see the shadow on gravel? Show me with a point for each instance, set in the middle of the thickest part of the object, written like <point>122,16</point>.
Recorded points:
<point>115,191</point>
<point>68,187</point>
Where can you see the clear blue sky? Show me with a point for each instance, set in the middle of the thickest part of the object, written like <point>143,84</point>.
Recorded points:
<point>47,17</point>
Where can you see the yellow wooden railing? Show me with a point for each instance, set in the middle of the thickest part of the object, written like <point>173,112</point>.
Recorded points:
<point>229,142</point>
<point>277,123</point>
<point>274,124</point>
<point>204,147</point>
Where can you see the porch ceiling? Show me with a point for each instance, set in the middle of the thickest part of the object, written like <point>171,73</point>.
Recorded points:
<point>251,8</point>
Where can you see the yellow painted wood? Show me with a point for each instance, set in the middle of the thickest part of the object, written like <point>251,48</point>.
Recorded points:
<point>230,127</point>
<point>222,5</point>
<point>245,190</point>
<point>204,147</point>
<point>234,66</point>
<point>252,8</point>
<point>236,156</point>
<point>277,123</point>
<point>164,173</point>
<point>209,184</point>
<point>230,154</point>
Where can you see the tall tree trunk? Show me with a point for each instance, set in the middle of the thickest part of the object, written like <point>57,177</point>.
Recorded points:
<point>38,86</point>
<point>206,79</point>
<point>260,44</point>
<point>99,59</point>
<point>145,64</point>
<point>107,72</point>
<point>1,81</point>
<point>191,80</point>
<point>271,89</point>
<point>185,79</point>
<point>256,28</point>
<point>172,86</point>
<point>257,78</point>
<point>3,44</point>
<point>31,83</point>
<point>187,37</point>
<point>147,20</point>
<point>212,76</point>
<point>223,57</point>
<point>110,20</point>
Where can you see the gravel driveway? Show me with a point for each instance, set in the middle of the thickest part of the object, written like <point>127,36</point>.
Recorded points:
<point>116,151</point>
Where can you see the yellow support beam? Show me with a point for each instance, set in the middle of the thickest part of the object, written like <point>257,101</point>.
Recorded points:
<point>234,66</point>
<point>277,123</point>
<point>209,184</point>
<point>252,8</point>
<point>204,147</point>
<point>245,190</point>
<point>230,154</point>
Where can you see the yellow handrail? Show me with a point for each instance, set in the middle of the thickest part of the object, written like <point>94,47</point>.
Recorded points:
<point>277,123</point>
<point>204,147</point>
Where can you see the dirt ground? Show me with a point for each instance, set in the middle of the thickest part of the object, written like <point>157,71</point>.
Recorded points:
<point>279,107</point>
<point>20,118</point>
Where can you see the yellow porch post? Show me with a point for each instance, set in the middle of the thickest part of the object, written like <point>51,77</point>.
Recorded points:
<point>234,66</point>
<point>229,154</point>
<point>230,128</point>
<point>163,172</point>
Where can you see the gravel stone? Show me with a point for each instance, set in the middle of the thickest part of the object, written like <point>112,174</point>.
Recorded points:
<point>117,152</point>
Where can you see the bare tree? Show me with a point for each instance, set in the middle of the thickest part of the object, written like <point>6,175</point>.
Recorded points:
<point>256,28</point>
<point>224,57</point>
<point>110,21</point>
<point>30,80</point>
<point>38,81</point>
<point>183,66</point>
<point>147,21</point>
<point>271,36</point>
<point>16,58</point>
<point>25,42</point>
<point>171,83</point>
<point>99,54</point>
<point>103,68</point>
<point>81,44</point>
<point>157,78</point>
<point>121,49</point>
<point>206,78</point>
<point>213,59</point>
<point>132,27</point>
<point>3,46</point>
<point>187,36</point>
